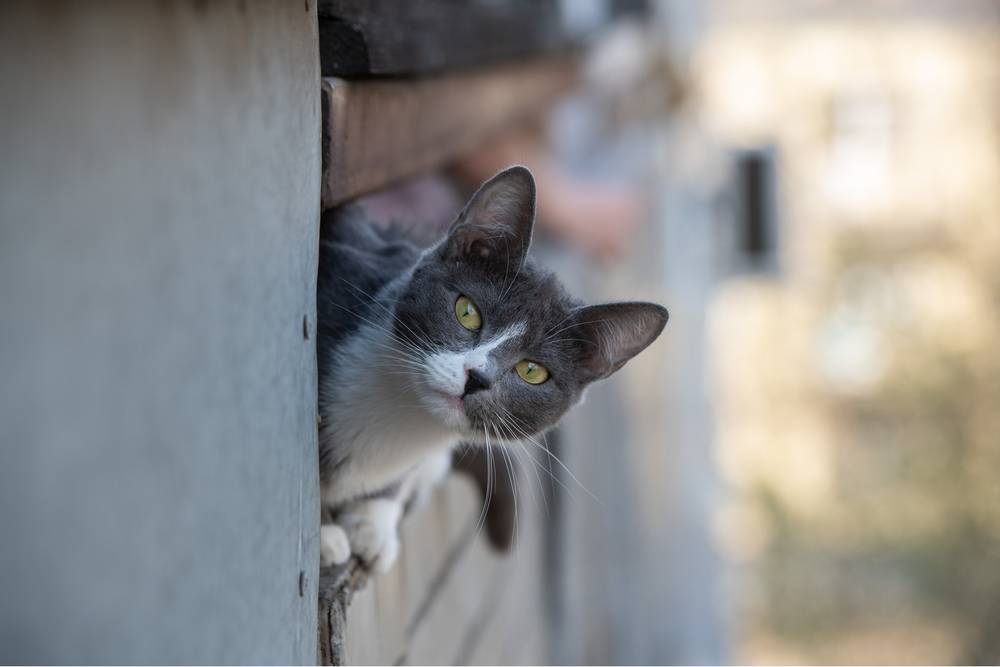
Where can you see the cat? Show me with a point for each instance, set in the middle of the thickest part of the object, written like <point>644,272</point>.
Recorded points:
<point>421,349</point>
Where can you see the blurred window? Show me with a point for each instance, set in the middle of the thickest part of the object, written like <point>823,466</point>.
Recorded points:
<point>756,214</point>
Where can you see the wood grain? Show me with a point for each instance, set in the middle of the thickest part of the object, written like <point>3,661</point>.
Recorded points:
<point>376,132</point>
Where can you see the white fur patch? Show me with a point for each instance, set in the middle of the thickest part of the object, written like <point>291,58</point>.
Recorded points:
<point>420,484</point>
<point>334,547</point>
<point>372,412</point>
<point>447,369</point>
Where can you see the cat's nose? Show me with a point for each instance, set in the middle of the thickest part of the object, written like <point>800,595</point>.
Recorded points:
<point>475,381</point>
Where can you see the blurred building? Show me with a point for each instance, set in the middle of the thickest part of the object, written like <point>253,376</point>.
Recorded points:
<point>854,376</point>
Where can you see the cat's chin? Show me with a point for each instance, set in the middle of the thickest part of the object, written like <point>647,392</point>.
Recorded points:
<point>450,411</point>
<point>447,409</point>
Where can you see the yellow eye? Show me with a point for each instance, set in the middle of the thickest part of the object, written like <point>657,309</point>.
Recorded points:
<point>531,372</point>
<point>467,313</point>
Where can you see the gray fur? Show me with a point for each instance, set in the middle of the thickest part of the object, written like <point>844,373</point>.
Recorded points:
<point>385,307</point>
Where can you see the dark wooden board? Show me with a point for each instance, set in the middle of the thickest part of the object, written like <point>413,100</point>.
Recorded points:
<point>401,37</point>
<point>379,131</point>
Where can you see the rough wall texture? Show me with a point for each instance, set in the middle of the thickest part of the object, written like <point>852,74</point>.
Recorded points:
<point>159,205</point>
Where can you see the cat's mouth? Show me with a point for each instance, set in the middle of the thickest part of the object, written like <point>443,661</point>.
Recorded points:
<point>450,409</point>
<point>451,400</point>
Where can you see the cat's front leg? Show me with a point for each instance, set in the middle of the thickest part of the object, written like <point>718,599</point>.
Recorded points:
<point>372,529</point>
<point>419,485</point>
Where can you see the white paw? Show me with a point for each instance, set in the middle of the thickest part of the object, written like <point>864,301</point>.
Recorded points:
<point>372,532</point>
<point>334,547</point>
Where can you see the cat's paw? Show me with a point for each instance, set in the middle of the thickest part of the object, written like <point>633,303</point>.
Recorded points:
<point>377,548</point>
<point>372,530</point>
<point>334,547</point>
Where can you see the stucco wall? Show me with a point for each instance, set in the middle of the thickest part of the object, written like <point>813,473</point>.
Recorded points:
<point>159,205</point>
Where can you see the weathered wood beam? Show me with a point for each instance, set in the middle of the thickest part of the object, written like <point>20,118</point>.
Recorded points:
<point>337,585</point>
<point>379,131</point>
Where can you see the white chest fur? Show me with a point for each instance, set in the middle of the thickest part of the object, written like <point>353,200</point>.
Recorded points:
<point>374,419</point>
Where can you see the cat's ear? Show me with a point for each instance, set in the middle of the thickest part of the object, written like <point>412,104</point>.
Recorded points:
<point>495,226</point>
<point>611,334</point>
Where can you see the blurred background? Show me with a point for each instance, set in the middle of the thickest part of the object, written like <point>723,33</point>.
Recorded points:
<point>803,468</point>
<point>817,447</point>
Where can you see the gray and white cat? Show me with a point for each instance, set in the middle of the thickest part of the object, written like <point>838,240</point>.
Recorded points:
<point>465,341</point>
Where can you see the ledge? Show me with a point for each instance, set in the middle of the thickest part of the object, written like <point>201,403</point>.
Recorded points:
<point>337,586</point>
<point>451,598</point>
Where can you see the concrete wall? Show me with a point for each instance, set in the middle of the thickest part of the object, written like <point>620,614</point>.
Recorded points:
<point>159,204</point>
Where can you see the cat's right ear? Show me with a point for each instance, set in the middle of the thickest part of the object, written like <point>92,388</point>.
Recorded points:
<point>495,226</point>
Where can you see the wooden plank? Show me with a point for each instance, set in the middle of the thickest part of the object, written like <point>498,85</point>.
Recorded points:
<point>388,37</point>
<point>376,132</point>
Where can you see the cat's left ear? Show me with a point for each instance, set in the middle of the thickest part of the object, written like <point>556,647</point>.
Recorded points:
<point>495,226</point>
<point>610,334</point>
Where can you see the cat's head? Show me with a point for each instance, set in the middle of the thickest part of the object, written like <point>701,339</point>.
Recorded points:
<point>505,350</point>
